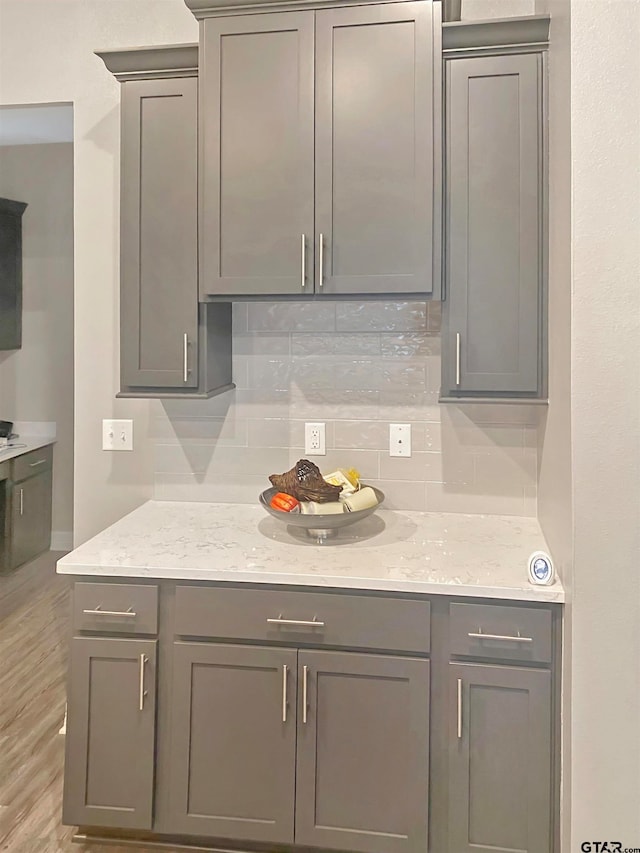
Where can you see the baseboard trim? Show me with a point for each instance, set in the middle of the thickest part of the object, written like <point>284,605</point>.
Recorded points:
<point>61,540</point>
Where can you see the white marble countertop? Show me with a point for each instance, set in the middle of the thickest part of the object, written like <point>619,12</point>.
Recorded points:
<point>25,444</point>
<point>392,550</point>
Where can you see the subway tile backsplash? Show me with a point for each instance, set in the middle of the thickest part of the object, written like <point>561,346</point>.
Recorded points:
<point>357,366</point>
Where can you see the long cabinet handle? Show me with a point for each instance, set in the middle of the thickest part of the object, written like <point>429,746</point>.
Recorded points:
<point>185,357</point>
<point>321,261</point>
<point>35,464</point>
<point>457,359</point>
<point>143,692</point>
<point>303,270</point>
<point>459,708</point>
<point>305,671</point>
<point>284,692</point>
<point>306,623</point>
<point>130,614</point>
<point>21,501</point>
<point>480,636</point>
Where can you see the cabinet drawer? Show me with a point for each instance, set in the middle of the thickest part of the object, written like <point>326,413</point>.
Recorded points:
<point>512,633</point>
<point>115,608</point>
<point>353,621</point>
<point>34,462</point>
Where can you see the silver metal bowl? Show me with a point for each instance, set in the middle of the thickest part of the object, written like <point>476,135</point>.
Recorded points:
<point>319,526</point>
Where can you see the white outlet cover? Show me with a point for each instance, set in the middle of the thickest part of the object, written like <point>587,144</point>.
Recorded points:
<point>399,439</point>
<point>314,439</point>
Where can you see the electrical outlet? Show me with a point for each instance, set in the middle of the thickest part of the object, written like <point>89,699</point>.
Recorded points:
<point>314,441</point>
<point>399,439</point>
<point>117,435</point>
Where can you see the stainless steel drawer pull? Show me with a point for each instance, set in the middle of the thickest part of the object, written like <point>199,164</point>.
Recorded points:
<point>185,357</point>
<point>284,692</point>
<point>304,623</point>
<point>321,261</point>
<point>305,670</point>
<point>143,692</point>
<point>459,708</point>
<point>481,636</point>
<point>35,464</point>
<point>303,271</point>
<point>457,359</point>
<point>21,501</point>
<point>131,614</point>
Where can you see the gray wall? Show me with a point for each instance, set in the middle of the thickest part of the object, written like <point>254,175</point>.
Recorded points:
<point>605,125</point>
<point>36,382</point>
<point>357,367</point>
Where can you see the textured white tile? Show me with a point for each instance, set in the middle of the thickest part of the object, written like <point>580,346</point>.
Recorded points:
<point>239,311</point>
<point>504,471</point>
<point>326,405</point>
<point>274,432</point>
<point>409,344</point>
<point>291,316</point>
<point>261,343</point>
<point>434,373</point>
<point>360,343</point>
<point>402,494</point>
<point>240,371</point>
<point>255,461</point>
<point>463,499</point>
<point>243,489</point>
<point>428,467</point>
<point>399,406</point>
<point>229,430</point>
<point>361,434</point>
<point>262,403</point>
<point>434,318</point>
<point>364,461</point>
<point>380,375</point>
<point>381,316</point>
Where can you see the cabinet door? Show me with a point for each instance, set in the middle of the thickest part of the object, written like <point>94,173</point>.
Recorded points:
<point>363,752</point>
<point>499,759</point>
<point>375,148</point>
<point>110,733</point>
<point>233,742</point>
<point>159,237</point>
<point>257,153</point>
<point>30,533</point>
<point>493,247</point>
<point>11,273</point>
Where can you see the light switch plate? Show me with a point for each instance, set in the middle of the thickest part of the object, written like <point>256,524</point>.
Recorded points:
<point>399,439</point>
<point>117,435</point>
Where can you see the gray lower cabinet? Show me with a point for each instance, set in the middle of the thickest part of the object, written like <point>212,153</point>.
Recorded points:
<point>170,346</point>
<point>499,759</point>
<point>11,273</point>
<point>233,742</point>
<point>363,752</point>
<point>29,530</point>
<point>493,321</point>
<point>317,146</point>
<point>110,744</point>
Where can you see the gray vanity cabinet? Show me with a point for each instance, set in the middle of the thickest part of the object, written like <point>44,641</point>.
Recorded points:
<point>30,505</point>
<point>233,742</point>
<point>317,152</point>
<point>110,742</point>
<point>499,759</point>
<point>493,319</point>
<point>363,752</point>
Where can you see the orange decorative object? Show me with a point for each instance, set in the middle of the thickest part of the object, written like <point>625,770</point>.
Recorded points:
<point>284,502</point>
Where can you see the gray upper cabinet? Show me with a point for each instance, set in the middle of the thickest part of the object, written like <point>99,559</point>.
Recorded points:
<point>169,345</point>
<point>374,149</point>
<point>233,741</point>
<point>493,341</point>
<point>499,759</point>
<point>110,744</point>
<point>257,155</point>
<point>363,752</point>
<point>11,273</point>
<point>317,152</point>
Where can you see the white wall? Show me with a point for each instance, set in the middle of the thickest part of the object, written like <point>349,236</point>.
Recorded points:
<point>605,119</point>
<point>36,381</point>
<point>46,55</point>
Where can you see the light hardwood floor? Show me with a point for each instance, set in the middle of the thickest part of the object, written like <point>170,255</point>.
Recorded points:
<point>34,605</point>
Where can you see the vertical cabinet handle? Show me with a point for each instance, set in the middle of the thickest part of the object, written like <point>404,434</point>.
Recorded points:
<point>185,357</point>
<point>143,692</point>
<point>305,670</point>
<point>284,692</point>
<point>21,501</point>
<point>303,270</point>
<point>459,708</point>
<point>457,359</point>
<point>321,261</point>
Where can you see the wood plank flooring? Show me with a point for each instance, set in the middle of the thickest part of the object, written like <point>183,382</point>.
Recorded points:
<point>34,606</point>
